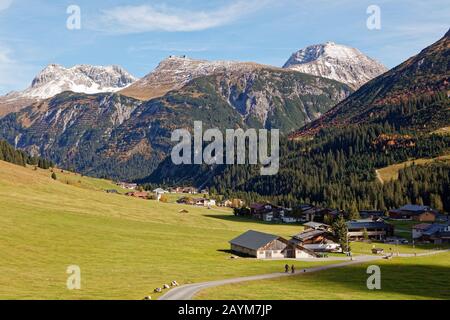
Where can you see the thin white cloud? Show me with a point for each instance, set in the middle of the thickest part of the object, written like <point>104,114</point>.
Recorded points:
<point>4,56</point>
<point>6,69</point>
<point>146,18</point>
<point>5,4</point>
<point>13,75</point>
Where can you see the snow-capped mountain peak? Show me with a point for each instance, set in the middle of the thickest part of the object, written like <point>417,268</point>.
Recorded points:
<point>337,62</point>
<point>55,79</point>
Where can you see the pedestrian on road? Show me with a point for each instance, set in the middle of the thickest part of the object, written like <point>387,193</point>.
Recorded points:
<point>286,268</point>
<point>293,269</point>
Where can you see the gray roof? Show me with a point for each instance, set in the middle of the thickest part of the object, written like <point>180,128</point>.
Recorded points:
<point>360,224</point>
<point>415,208</point>
<point>253,239</point>
<point>313,224</point>
<point>434,228</point>
<point>305,235</point>
<point>371,213</point>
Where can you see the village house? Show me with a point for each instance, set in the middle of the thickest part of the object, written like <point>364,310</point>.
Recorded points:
<point>333,214</point>
<point>159,192</point>
<point>442,236</point>
<point>186,200</point>
<point>444,218</point>
<point>372,214</point>
<point>436,233</point>
<point>267,246</point>
<point>269,212</point>
<point>138,194</point>
<point>208,202</point>
<point>307,212</point>
<point>175,190</point>
<point>126,185</point>
<point>419,229</point>
<point>316,226</point>
<point>201,202</point>
<point>263,211</point>
<point>376,230</point>
<point>317,240</point>
<point>226,203</point>
<point>232,203</point>
<point>290,219</point>
<point>286,215</point>
<point>186,190</point>
<point>414,212</point>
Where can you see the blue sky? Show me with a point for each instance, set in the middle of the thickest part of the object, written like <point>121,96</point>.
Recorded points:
<point>137,34</point>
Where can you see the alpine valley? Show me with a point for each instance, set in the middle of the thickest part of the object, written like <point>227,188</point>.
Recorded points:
<point>126,134</point>
<point>333,161</point>
<point>93,205</point>
<point>123,131</point>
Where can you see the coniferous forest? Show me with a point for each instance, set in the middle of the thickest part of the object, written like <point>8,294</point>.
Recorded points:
<point>9,154</point>
<point>336,169</point>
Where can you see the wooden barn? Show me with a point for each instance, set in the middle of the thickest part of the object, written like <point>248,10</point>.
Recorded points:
<point>414,212</point>
<point>317,240</point>
<point>375,230</point>
<point>267,246</point>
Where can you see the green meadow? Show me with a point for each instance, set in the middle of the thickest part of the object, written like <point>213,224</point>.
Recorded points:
<point>125,247</point>
<point>426,277</point>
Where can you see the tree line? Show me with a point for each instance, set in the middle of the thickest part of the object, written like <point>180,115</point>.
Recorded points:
<point>337,170</point>
<point>9,154</point>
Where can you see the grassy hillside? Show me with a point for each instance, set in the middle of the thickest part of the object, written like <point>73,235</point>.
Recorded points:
<point>125,247</point>
<point>80,181</point>
<point>401,278</point>
<point>391,172</point>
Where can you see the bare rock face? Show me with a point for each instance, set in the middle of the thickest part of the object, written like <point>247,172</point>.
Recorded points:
<point>337,62</point>
<point>175,72</point>
<point>258,92</point>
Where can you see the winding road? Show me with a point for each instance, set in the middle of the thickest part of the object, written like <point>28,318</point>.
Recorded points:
<point>187,292</point>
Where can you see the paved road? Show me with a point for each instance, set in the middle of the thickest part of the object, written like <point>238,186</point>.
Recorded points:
<point>187,292</point>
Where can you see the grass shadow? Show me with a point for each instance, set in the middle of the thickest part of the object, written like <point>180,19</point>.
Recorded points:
<point>429,281</point>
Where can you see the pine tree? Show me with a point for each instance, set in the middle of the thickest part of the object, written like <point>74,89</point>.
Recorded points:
<point>365,234</point>
<point>341,233</point>
<point>354,212</point>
